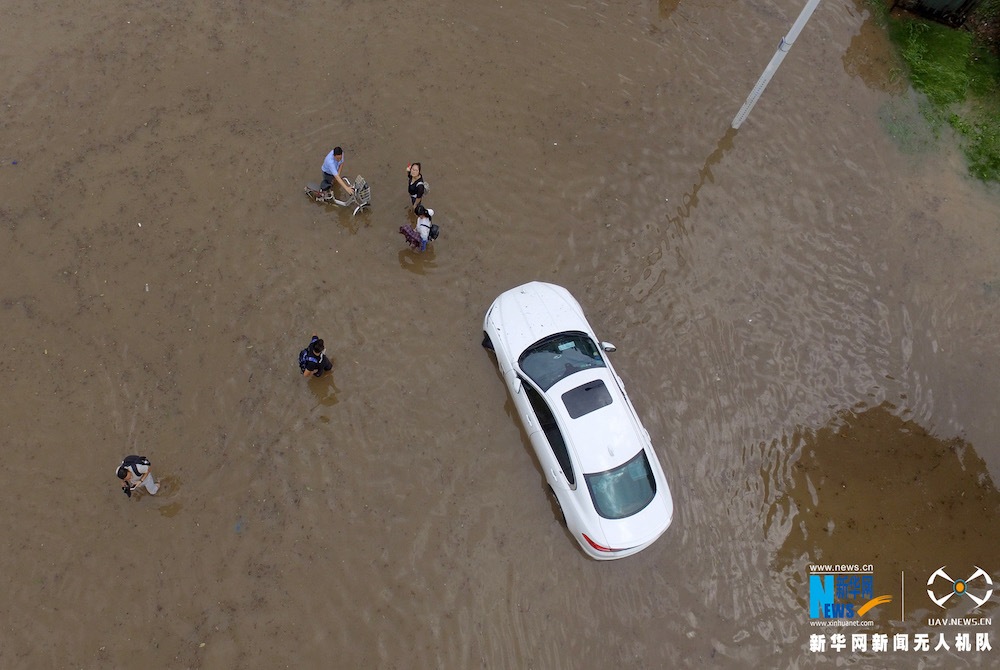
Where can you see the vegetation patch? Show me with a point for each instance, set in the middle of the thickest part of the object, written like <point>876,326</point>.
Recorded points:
<point>959,73</point>
<point>911,131</point>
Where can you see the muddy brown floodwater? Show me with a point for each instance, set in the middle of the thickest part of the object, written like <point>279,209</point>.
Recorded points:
<point>807,315</point>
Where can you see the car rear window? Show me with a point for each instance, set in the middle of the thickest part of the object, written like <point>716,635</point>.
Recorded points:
<point>585,399</point>
<point>623,491</point>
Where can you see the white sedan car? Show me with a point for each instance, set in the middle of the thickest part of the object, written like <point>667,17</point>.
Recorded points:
<point>596,456</point>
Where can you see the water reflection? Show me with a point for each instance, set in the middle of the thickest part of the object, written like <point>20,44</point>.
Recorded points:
<point>418,262</point>
<point>872,488</point>
<point>169,484</point>
<point>170,510</point>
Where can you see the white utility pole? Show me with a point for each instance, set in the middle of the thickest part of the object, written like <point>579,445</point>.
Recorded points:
<point>772,67</point>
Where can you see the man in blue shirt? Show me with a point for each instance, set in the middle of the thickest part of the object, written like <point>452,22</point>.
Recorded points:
<point>331,173</point>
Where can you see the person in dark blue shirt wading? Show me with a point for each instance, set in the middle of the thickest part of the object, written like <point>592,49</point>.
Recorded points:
<point>312,360</point>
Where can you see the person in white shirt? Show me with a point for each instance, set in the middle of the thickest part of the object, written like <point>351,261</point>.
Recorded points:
<point>134,472</point>
<point>424,222</point>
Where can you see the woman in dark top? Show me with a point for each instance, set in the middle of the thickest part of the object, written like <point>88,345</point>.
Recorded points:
<point>415,184</point>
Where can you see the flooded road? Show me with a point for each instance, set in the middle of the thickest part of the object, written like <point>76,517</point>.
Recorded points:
<point>807,315</point>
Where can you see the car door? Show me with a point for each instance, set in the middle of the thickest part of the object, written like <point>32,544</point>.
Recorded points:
<point>547,439</point>
<point>521,402</point>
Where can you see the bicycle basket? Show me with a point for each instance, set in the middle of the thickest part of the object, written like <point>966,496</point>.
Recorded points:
<point>362,191</point>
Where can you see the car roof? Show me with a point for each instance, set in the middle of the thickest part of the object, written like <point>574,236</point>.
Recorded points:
<point>604,438</point>
<point>536,310</point>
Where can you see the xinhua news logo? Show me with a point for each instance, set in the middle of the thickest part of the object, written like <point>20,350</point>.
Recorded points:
<point>842,594</point>
<point>977,587</point>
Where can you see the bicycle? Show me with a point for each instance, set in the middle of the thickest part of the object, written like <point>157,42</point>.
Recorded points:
<point>361,198</point>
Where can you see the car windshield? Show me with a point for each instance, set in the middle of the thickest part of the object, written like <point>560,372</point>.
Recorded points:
<point>623,491</point>
<point>558,356</point>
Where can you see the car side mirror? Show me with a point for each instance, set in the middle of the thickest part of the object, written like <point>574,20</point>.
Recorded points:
<point>608,347</point>
<point>517,385</point>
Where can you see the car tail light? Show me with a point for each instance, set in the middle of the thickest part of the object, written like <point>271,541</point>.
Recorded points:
<point>595,545</point>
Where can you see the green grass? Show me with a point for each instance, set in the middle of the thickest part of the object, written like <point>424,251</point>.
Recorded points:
<point>960,79</point>
<point>982,143</point>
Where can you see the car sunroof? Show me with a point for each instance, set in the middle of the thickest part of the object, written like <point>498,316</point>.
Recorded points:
<point>585,399</point>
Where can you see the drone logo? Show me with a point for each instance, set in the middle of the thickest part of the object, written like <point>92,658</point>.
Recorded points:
<point>960,587</point>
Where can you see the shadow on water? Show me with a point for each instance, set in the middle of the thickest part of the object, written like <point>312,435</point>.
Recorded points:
<point>325,388</point>
<point>871,488</point>
<point>510,409</point>
<point>689,201</point>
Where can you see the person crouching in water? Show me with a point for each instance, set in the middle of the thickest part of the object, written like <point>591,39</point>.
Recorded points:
<point>312,360</point>
<point>134,473</point>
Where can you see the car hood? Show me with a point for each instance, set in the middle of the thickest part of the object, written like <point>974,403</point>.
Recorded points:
<point>533,311</point>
